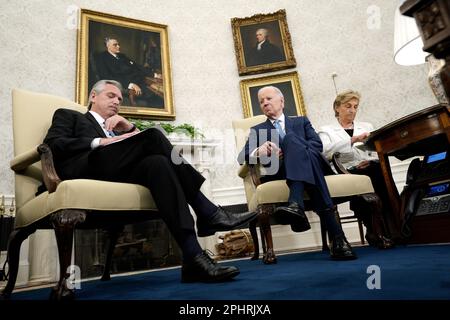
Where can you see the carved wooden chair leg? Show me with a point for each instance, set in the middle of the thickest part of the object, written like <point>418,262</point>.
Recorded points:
<point>112,241</point>
<point>263,239</point>
<point>254,234</point>
<point>269,256</point>
<point>63,223</point>
<point>15,241</point>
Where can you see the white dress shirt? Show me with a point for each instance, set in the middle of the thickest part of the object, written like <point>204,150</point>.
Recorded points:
<point>260,44</point>
<point>96,142</point>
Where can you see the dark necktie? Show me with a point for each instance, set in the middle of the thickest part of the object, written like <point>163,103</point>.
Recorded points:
<point>110,132</point>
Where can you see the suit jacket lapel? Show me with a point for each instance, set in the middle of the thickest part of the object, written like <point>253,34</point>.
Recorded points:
<point>288,124</point>
<point>268,127</point>
<point>340,132</point>
<point>94,122</point>
<point>269,124</point>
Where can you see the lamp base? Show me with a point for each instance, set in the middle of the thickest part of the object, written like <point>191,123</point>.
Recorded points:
<point>439,78</point>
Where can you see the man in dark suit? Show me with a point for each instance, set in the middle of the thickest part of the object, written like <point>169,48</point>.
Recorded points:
<point>114,65</point>
<point>264,52</point>
<point>101,144</point>
<point>291,149</point>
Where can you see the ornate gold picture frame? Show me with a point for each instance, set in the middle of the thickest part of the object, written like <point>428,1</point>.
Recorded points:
<point>262,43</point>
<point>133,52</point>
<point>288,83</point>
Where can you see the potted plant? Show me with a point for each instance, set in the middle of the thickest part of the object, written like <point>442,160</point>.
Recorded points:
<point>184,129</point>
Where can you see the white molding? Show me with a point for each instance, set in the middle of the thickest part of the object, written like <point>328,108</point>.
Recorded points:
<point>229,196</point>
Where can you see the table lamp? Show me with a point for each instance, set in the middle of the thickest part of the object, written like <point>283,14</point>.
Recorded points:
<point>407,41</point>
<point>409,48</point>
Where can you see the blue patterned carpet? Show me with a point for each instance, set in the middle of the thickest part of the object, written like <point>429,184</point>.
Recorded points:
<point>405,273</point>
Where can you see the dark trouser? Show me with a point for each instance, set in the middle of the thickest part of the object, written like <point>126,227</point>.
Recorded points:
<point>301,163</point>
<point>297,153</point>
<point>377,179</point>
<point>146,159</point>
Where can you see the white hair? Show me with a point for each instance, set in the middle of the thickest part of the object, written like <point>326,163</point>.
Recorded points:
<point>264,30</point>
<point>278,91</point>
<point>108,39</point>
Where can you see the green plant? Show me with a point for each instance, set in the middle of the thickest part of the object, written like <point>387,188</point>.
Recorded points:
<point>185,128</point>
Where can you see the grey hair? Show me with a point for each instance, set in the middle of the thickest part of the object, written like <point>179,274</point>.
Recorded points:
<point>107,39</point>
<point>266,32</point>
<point>278,91</point>
<point>99,86</point>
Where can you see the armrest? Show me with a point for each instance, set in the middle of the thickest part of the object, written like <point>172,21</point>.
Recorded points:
<point>51,178</point>
<point>24,160</point>
<point>246,168</point>
<point>243,170</point>
<point>337,163</point>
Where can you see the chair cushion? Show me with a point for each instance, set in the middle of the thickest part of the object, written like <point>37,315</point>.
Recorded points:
<point>86,194</point>
<point>340,185</point>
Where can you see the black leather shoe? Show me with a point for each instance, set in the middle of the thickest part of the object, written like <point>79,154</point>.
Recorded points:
<point>341,249</point>
<point>223,220</point>
<point>293,215</point>
<point>381,242</point>
<point>204,269</point>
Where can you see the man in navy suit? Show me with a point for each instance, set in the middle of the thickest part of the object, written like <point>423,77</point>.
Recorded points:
<point>291,149</point>
<point>103,145</point>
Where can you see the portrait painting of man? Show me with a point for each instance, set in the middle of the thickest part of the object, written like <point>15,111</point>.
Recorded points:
<point>131,52</point>
<point>116,55</point>
<point>287,83</point>
<point>262,43</point>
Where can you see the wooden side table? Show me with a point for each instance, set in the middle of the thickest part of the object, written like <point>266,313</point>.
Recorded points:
<point>418,134</point>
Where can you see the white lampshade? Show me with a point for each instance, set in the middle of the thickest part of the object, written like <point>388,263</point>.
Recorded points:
<point>407,41</point>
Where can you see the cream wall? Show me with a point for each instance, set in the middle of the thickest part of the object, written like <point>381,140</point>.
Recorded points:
<point>352,38</point>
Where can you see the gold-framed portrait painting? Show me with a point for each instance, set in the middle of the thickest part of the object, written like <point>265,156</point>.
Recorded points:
<point>132,52</point>
<point>262,43</point>
<point>289,85</point>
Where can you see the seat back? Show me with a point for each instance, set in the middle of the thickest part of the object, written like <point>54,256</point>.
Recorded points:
<point>241,129</point>
<point>32,116</point>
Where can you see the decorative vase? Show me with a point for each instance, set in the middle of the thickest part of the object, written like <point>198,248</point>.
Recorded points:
<point>434,78</point>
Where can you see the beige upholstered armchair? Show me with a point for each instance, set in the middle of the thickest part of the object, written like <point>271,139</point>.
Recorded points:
<point>69,204</point>
<point>265,197</point>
